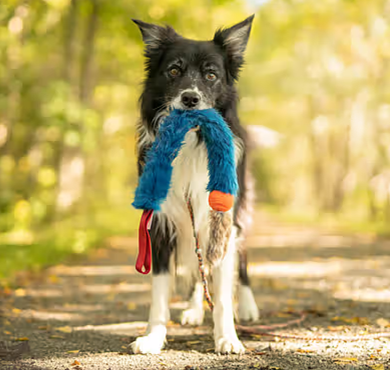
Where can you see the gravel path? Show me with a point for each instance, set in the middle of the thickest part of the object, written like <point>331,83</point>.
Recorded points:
<point>82,315</point>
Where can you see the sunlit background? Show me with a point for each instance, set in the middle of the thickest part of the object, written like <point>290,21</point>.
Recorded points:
<point>315,95</point>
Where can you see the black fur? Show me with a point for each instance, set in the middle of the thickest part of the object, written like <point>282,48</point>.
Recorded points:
<point>195,63</point>
<point>243,268</point>
<point>163,241</point>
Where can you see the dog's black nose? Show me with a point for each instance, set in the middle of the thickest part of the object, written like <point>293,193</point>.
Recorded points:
<point>190,99</point>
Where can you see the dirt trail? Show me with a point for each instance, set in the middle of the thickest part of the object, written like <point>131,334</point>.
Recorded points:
<point>83,314</point>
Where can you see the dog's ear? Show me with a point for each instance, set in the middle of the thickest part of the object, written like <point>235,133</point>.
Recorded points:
<point>153,35</point>
<point>234,40</point>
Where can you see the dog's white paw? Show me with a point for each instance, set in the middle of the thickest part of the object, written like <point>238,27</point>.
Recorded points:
<point>247,307</point>
<point>229,344</point>
<point>193,316</point>
<point>151,343</point>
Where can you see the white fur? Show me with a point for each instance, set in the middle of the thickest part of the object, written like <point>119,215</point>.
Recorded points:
<point>195,313</point>
<point>203,104</point>
<point>154,341</point>
<point>247,307</point>
<point>225,336</point>
<point>189,174</point>
<point>145,137</point>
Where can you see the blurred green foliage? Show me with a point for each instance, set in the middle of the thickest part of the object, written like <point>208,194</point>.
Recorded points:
<point>70,77</point>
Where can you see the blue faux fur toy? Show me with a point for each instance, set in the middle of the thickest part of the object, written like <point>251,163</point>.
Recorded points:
<point>155,180</point>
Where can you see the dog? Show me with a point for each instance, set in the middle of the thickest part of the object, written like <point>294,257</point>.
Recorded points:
<point>187,74</point>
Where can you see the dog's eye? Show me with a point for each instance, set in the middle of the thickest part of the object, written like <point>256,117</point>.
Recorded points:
<point>174,72</point>
<point>211,76</point>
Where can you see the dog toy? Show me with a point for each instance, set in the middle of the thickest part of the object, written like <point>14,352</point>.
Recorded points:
<point>155,181</point>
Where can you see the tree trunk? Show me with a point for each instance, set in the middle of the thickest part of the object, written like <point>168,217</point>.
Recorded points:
<point>72,176</point>
<point>60,150</point>
<point>85,86</point>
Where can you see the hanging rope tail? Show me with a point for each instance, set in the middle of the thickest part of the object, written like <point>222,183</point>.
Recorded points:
<point>144,259</point>
<point>198,252</point>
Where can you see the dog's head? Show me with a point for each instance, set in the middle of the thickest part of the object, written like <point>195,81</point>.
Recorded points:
<point>188,74</point>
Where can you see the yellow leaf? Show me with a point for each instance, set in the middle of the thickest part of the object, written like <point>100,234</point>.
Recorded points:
<point>346,359</point>
<point>336,328</point>
<point>20,292</point>
<point>76,363</point>
<point>304,351</point>
<point>16,311</point>
<point>383,323</point>
<point>360,320</point>
<point>6,291</point>
<point>283,314</point>
<point>256,336</point>
<point>75,351</point>
<point>56,337</point>
<point>64,329</point>
<point>54,279</point>
<point>131,306</point>
<point>353,320</point>
<point>111,296</point>
<point>7,332</point>
<point>193,342</point>
<point>22,339</point>
<point>378,367</point>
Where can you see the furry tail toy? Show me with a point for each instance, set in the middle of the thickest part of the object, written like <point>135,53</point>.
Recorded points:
<point>155,180</point>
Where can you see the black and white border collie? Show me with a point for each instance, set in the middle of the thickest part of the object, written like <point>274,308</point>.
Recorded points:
<point>188,74</point>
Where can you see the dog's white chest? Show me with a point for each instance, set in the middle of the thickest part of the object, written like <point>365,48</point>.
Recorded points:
<point>190,173</point>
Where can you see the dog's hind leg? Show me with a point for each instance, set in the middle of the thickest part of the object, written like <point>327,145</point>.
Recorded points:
<point>225,336</point>
<point>163,240</point>
<point>195,313</point>
<point>247,307</point>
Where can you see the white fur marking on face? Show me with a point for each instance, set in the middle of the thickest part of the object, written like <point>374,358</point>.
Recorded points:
<point>194,314</point>
<point>225,336</point>
<point>177,103</point>
<point>154,341</point>
<point>247,307</point>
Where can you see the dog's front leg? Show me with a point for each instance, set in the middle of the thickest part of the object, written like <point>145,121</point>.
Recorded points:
<point>154,341</point>
<point>163,243</point>
<point>225,336</point>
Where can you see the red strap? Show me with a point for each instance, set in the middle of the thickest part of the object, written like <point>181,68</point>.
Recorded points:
<point>144,259</point>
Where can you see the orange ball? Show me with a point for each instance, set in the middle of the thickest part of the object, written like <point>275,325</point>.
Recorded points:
<point>221,202</point>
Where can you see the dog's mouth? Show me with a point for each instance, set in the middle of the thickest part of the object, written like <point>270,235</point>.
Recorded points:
<point>189,99</point>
